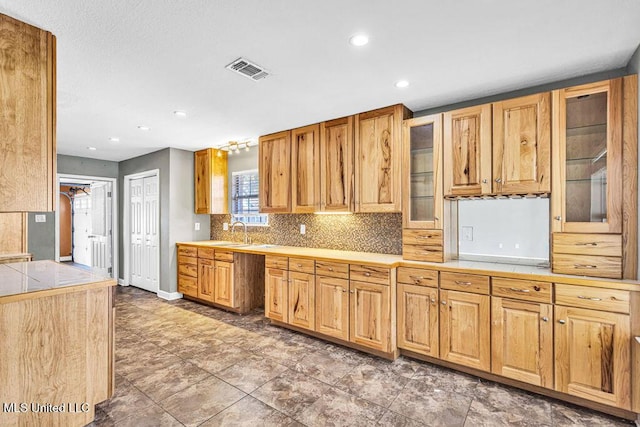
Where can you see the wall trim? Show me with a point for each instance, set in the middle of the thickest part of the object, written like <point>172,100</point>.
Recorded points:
<point>169,296</point>
<point>121,282</point>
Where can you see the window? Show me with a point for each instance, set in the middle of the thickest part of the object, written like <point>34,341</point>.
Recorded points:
<point>244,198</point>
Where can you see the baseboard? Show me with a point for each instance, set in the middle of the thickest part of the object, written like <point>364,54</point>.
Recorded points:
<point>122,282</point>
<point>169,296</point>
<point>66,258</point>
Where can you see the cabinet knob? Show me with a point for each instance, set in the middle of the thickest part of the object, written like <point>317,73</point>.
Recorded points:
<point>344,291</point>
<point>433,300</point>
<point>484,181</point>
<point>545,319</point>
<point>562,321</point>
<point>352,292</point>
<point>558,218</point>
<point>330,268</point>
<point>498,180</point>
<point>444,303</point>
<point>367,274</point>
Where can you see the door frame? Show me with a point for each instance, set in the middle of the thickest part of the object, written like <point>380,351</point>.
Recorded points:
<point>126,238</point>
<point>114,216</point>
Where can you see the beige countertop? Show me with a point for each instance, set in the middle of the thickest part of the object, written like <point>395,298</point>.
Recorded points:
<point>516,271</point>
<point>22,280</point>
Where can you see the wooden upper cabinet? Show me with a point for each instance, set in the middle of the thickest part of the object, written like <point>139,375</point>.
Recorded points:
<point>378,159</point>
<point>211,182</point>
<point>305,169</point>
<point>336,165</point>
<point>27,122</point>
<point>587,153</point>
<point>522,145</point>
<point>275,172</point>
<point>467,151</point>
<point>422,172</point>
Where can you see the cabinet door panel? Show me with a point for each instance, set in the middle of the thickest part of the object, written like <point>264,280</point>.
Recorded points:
<point>302,300</point>
<point>418,319</point>
<point>224,289</point>
<point>522,144</point>
<point>522,341</point>
<point>370,312</point>
<point>467,151</point>
<point>211,182</point>
<point>305,169</point>
<point>593,355</point>
<point>276,293</point>
<point>336,165</point>
<point>464,329</point>
<point>206,279</point>
<point>275,173</point>
<point>332,307</point>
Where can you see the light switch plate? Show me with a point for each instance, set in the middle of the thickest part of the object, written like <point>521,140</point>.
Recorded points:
<point>41,218</point>
<point>197,226</point>
<point>467,233</point>
<point>225,226</point>
<point>303,229</point>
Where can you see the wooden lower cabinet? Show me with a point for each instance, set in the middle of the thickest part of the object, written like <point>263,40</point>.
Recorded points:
<point>332,307</point>
<point>301,304</point>
<point>593,350</point>
<point>465,329</point>
<point>522,341</point>
<point>206,279</point>
<point>370,315</point>
<point>276,293</point>
<point>224,287</point>
<point>418,319</point>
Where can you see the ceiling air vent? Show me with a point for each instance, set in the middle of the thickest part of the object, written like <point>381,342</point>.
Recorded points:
<point>248,69</point>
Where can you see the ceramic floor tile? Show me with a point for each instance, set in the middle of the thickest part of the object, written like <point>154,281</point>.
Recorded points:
<point>218,358</point>
<point>250,412</point>
<point>373,384</point>
<point>152,416</point>
<point>324,366</point>
<point>125,401</point>
<point>169,380</point>
<point>143,364</point>
<point>337,408</point>
<point>390,418</point>
<point>291,392</point>
<point>201,401</point>
<point>566,415</point>
<point>436,378</point>
<point>251,372</point>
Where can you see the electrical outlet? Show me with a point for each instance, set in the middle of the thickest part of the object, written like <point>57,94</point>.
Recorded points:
<point>225,226</point>
<point>517,245</point>
<point>467,233</point>
<point>41,218</point>
<point>499,245</point>
<point>303,229</point>
<point>197,226</point>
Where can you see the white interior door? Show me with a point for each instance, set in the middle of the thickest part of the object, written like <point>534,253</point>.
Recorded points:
<point>101,228</point>
<point>144,232</point>
<point>82,229</point>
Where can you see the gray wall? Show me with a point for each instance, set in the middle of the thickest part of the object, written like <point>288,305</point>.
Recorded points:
<point>41,236</point>
<point>73,165</point>
<point>634,68</point>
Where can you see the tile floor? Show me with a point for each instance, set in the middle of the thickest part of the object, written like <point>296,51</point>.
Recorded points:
<point>184,364</point>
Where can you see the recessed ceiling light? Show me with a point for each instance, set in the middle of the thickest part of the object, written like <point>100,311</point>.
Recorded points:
<point>180,113</point>
<point>359,39</point>
<point>141,127</point>
<point>114,139</point>
<point>402,83</point>
<point>92,148</point>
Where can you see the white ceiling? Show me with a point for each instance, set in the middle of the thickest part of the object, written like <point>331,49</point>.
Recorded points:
<point>124,63</point>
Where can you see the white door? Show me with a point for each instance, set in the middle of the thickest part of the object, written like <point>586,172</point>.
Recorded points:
<point>82,229</point>
<point>101,228</point>
<point>144,232</point>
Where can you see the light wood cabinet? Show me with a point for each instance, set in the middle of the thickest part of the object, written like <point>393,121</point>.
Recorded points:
<point>302,300</point>
<point>370,315</point>
<point>13,233</point>
<point>467,151</point>
<point>305,169</point>
<point>522,145</point>
<point>274,169</point>
<point>522,341</point>
<point>211,181</point>
<point>332,307</point>
<point>378,159</point>
<point>206,279</point>
<point>465,329</point>
<point>224,287</point>
<point>28,119</point>
<point>336,165</point>
<point>418,319</point>
<point>593,355</point>
<point>276,294</point>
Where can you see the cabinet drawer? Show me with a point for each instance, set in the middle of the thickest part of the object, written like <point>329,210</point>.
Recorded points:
<point>302,265</point>
<point>279,262</point>
<point>205,253</point>
<point>188,285</point>
<point>188,269</point>
<point>223,256</point>
<point>465,282</point>
<point>595,298</point>
<point>521,289</point>
<point>188,251</point>
<point>422,237</point>
<point>369,274</point>
<point>422,253</point>
<point>588,265</point>
<point>332,269</point>
<point>588,244</point>
<point>418,276</point>
<point>187,260</point>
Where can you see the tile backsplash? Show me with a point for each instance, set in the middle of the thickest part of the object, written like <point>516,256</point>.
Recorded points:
<point>378,232</point>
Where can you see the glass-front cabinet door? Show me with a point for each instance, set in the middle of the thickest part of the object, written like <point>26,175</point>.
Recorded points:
<point>587,158</point>
<point>422,166</point>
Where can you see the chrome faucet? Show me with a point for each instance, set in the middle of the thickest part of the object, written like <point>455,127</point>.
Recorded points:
<point>246,236</point>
